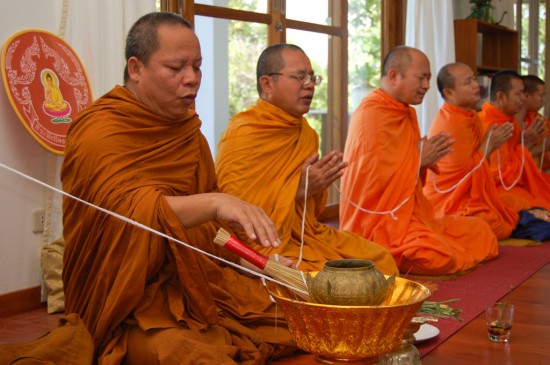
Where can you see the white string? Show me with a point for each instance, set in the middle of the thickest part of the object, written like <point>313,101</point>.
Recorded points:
<point>142,226</point>
<point>394,210</point>
<point>432,179</point>
<point>520,171</point>
<point>542,153</point>
<point>63,21</point>
<point>306,187</point>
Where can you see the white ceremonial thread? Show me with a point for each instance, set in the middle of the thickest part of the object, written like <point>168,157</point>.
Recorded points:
<point>63,20</point>
<point>520,171</point>
<point>432,179</point>
<point>542,153</point>
<point>306,187</point>
<point>394,210</point>
<point>146,228</point>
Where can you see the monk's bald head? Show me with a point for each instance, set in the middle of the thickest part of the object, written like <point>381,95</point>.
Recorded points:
<point>272,61</point>
<point>503,81</point>
<point>398,58</point>
<point>406,75</point>
<point>446,78</point>
<point>531,83</point>
<point>458,85</point>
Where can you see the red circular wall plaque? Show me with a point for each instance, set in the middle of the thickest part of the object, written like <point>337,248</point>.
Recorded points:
<point>46,85</point>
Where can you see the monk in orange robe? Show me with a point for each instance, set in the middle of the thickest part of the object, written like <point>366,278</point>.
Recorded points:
<point>464,185</point>
<point>382,196</point>
<point>512,166</point>
<point>269,151</point>
<point>534,122</point>
<point>138,152</point>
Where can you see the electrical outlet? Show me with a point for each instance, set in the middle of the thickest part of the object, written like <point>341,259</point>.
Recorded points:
<point>38,220</point>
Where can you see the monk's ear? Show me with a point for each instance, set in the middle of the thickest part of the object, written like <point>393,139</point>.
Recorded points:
<point>134,68</point>
<point>393,74</point>
<point>500,96</point>
<point>448,93</point>
<point>266,84</point>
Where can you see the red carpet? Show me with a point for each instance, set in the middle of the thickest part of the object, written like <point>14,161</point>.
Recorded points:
<point>486,284</point>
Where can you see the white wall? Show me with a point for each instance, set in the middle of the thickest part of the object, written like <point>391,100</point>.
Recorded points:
<point>102,56</point>
<point>19,247</point>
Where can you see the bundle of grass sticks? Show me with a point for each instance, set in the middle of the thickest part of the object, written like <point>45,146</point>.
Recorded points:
<point>440,310</point>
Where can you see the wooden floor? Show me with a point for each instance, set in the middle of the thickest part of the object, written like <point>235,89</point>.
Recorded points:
<point>530,340</point>
<point>530,337</point>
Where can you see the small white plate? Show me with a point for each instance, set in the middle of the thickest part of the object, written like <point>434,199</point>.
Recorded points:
<point>426,332</point>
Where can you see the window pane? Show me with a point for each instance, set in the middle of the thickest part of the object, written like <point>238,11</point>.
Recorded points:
<point>246,43</point>
<point>258,6</point>
<point>230,50</point>
<point>364,52</point>
<point>525,30</point>
<point>315,45</point>
<point>311,11</point>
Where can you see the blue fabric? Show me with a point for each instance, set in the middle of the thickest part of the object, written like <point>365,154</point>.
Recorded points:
<point>533,224</point>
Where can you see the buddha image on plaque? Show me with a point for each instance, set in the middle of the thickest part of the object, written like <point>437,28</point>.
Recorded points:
<point>54,105</point>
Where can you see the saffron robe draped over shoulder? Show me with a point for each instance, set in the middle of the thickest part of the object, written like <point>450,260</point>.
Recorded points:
<point>259,159</point>
<point>131,286</point>
<point>383,176</point>
<point>531,183</point>
<point>476,194</point>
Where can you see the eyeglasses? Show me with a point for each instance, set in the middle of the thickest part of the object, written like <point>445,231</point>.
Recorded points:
<point>302,79</point>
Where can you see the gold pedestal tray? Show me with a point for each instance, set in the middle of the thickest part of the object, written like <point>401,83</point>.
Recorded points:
<point>350,334</point>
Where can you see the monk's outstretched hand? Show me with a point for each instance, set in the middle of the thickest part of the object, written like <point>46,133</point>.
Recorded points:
<point>254,220</point>
<point>196,209</point>
<point>435,148</point>
<point>322,172</point>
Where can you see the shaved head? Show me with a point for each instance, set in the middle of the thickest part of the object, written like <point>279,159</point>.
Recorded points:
<point>406,75</point>
<point>399,58</point>
<point>446,78</point>
<point>530,82</point>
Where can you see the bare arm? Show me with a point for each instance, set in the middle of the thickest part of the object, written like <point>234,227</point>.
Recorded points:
<point>193,210</point>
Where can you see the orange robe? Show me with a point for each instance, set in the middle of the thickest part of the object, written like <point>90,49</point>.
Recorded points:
<point>532,185</point>
<point>123,280</point>
<point>259,159</point>
<point>383,158</point>
<point>529,119</point>
<point>477,195</point>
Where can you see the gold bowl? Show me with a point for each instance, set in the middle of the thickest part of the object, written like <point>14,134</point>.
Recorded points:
<point>337,333</point>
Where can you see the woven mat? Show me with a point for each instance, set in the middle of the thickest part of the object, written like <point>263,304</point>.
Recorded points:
<point>486,284</point>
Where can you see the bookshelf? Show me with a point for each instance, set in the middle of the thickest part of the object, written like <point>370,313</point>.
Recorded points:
<point>485,47</point>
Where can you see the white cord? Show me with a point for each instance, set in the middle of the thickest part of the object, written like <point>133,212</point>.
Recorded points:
<point>140,225</point>
<point>520,171</point>
<point>394,210</point>
<point>542,153</point>
<point>63,20</point>
<point>432,179</point>
<point>306,187</point>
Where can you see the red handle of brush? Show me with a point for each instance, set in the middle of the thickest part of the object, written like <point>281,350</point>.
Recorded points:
<point>247,253</point>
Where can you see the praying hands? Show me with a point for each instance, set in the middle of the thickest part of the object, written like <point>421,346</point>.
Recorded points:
<point>322,172</point>
<point>495,137</point>
<point>434,149</point>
